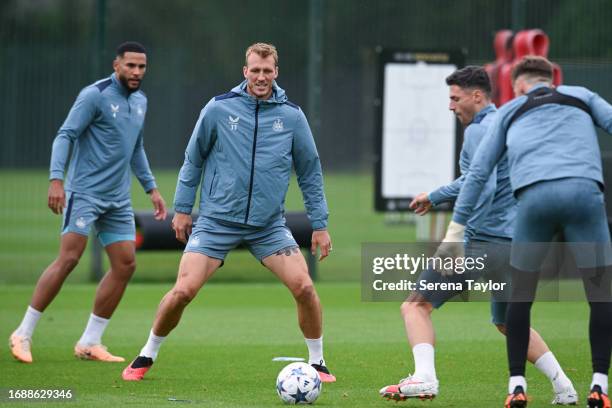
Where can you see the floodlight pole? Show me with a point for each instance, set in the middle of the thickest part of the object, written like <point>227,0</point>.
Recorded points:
<point>518,15</point>
<point>98,56</point>
<point>99,40</point>
<point>315,64</point>
<point>315,67</point>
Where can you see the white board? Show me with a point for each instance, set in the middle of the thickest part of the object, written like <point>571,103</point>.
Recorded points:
<point>419,132</point>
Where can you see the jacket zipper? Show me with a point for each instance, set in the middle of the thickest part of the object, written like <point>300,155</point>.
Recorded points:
<point>246,217</point>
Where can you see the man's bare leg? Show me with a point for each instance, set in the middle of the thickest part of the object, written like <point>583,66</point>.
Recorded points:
<point>108,295</point>
<point>416,312</point>
<point>545,361</point>
<point>48,286</point>
<point>290,267</point>
<point>112,286</point>
<point>537,345</point>
<point>293,272</point>
<point>50,282</point>
<point>194,270</point>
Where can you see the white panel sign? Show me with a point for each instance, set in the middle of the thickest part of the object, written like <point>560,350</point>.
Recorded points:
<point>418,135</point>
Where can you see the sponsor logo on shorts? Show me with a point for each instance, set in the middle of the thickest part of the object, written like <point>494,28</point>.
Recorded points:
<point>194,241</point>
<point>80,222</point>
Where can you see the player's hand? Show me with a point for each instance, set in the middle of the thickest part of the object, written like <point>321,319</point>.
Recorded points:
<point>56,198</point>
<point>181,224</point>
<point>421,204</point>
<point>159,205</point>
<point>452,246</point>
<point>321,239</point>
<point>447,250</point>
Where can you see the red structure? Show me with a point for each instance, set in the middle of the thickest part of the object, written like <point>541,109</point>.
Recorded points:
<point>509,49</point>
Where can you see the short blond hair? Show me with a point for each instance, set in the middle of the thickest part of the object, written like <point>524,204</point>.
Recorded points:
<point>263,50</point>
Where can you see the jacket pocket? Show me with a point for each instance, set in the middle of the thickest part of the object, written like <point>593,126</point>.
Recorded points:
<point>213,184</point>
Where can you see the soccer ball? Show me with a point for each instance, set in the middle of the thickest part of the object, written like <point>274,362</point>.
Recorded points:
<point>298,383</point>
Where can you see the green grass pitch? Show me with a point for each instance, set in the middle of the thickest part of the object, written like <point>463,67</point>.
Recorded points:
<point>220,355</point>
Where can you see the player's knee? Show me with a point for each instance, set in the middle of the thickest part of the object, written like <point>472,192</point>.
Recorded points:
<point>410,308</point>
<point>68,261</point>
<point>128,267</point>
<point>501,328</point>
<point>305,293</point>
<point>183,296</point>
<point>123,270</point>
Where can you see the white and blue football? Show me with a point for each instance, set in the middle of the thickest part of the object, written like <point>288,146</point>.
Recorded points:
<point>298,383</point>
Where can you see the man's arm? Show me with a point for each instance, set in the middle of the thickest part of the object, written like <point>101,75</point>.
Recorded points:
<point>190,174</point>
<point>79,118</point>
<point>602,112</point>
<point>423,202</point>
<point>142,171</point>
<point>448,192</point>
<point>310,179</point>
<point>483,205</point>
<point>309,173</point>
<point>487,155</point>
<point>474,134</point>
<point>452,244</point>
<point>140,166</point>
<point>81,115</point>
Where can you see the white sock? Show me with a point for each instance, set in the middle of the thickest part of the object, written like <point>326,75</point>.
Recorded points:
<point>315,351</point>
<point>152,347</point>
<point>424,364</point>
<point>515,381</point>
<point>28,324</point>
<point>93,331</point>
<point>550,367</point>
<point>601,380</point>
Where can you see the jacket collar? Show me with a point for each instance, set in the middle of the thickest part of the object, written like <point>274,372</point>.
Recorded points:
<point>482,113</point>
<point>538,86</point>
<point>124,91</point>
<point>278,94</point>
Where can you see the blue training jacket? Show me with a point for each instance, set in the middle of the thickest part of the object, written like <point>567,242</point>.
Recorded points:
<point>105,129</point>
<point>496,207</point>
<point>549,142</point>
<point>245,148</point>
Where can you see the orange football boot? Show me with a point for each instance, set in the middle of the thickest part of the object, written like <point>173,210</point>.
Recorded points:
<point>21,347</point>
<point>324,373</point>
<point>137,369</point>
<point>517,399</point>
<point>96,352</point>
<point>597,399</point>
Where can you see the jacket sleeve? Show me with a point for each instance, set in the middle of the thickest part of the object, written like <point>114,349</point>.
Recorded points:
<point>140,166</point>
<point>482,207</point>
<point>448,192</point>
<point>200,143</point>
<point>472,138</point>
<point>309,175</point>
<point>488,153</point>
<point>81,115</point>
<point>602,112</point>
